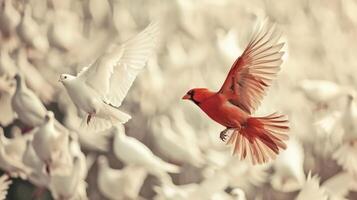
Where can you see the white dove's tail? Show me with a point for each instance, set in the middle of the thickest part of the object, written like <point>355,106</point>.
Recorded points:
<point>115,115</point>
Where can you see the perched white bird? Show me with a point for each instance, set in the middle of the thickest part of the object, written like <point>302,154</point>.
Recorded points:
<point>132,152</point>
<point>289,172</point>
<point>27,105</point>
<point>322,92</point>
<point>11,157</point>
<point>119,183</point>
<point>5,183</point>
<point>50,144</point>
<point>39,177</point>
<point>180,149</point>
<point>100,88</point>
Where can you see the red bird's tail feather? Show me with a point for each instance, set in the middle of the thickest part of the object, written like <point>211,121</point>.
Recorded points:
<point>261,138</point>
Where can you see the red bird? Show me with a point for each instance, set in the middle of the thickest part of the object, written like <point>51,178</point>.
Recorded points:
<point>260,138</point>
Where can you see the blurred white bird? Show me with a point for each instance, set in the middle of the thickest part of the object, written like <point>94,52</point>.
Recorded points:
<point>180,149</point>
<point>334,188</point>
<point>289,172</point>
<point>66,186</point>
<point>5,183</point>
<point>132,152</point>
<point>28,107</point>
<point>50,144</point>
<point>11,157</point>
<point>312,189</point>
<point>100,88</point>
<point>30,31</point>
<point>9,18</point>
<point>346,155</point>
<point>34,80</point>
<point>228,44</point>
<point>7,90</point>
<point>39,176</point>
<point>322,92</point>
<point>119,183</point>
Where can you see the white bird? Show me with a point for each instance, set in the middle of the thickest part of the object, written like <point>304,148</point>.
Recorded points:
<point>349,118</point>
<point>132,152</point>
<point>334,188</point>
<point>9,18</point>
<point>34,79</point>
<point>27,105</point>
<point>7,90</point>
<point>50,144</point>
<point>173,145</point>
<point>5,183</point>
<point>346,155</point>
<point>65,186</point>
<point>39,176</point>
<point>289,172</point>
<point>322,92</point>
<point>119,183</point>
<point>100,88</point>
<point>30,32</point>
<point>11,157</point>
<point>312,190</point>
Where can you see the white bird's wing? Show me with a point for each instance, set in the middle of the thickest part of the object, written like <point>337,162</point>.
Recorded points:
<point>112,74</point>
<point>5,183</point>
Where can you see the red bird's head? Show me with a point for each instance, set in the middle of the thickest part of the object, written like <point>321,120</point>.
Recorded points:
<point>197,95</point>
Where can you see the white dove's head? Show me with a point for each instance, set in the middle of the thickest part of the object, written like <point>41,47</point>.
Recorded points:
<point>66,77</point>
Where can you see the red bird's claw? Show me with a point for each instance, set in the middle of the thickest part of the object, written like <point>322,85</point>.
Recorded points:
<point>223,136</point>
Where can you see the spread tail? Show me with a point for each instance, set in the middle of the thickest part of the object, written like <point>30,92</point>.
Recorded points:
<point>261,138</point>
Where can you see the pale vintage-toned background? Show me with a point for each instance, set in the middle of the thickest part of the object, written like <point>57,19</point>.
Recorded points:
<point>199,42</point>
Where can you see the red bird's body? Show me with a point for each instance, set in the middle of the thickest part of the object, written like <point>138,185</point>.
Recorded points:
<point>259,138</point>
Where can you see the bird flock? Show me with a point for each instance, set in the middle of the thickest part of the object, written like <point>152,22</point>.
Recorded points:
<point>75,125</point>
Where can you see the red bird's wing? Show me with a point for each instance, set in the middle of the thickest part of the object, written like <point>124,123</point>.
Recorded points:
<point>255,69</point>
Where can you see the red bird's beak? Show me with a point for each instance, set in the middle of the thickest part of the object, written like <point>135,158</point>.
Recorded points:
<point>186,96</point>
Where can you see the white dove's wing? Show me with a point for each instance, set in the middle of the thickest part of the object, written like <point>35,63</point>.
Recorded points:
<point>112,74</point>
<point>5,183</point>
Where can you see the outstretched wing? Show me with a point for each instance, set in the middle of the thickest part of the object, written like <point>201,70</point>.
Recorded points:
<point>112,74</point>
<point>255,69</point>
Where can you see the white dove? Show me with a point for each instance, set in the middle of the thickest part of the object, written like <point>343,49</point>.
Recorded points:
<point>5,183</point>
<point>173,145</point>
<point>39,177</point>
<point>133,152</point>
<point>100,88</point>
<point>27,105</point>
<point>50,144</point>
<point>119,183</point>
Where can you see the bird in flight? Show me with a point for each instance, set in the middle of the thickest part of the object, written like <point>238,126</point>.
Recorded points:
<point>257,138</point>
<point>99,89</point>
